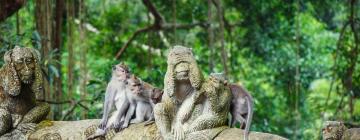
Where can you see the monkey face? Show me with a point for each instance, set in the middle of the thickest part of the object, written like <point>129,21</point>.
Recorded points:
<point>24,64</point>
<point>156,95</point>
<point>120,72</point>
<point>135,86</point>
<point>182,71</point>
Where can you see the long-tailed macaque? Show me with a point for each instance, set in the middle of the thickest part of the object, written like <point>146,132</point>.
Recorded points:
<point>242,106</point>
<point>115,95</point>
<point>142,97</point>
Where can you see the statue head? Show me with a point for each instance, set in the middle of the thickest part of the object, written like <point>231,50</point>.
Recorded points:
<point>333,130</point>
<point>182,66</point>
<point>22,68</point>
<point>218,79</point>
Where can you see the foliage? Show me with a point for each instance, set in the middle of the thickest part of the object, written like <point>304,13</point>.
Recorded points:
<point>266,46</point>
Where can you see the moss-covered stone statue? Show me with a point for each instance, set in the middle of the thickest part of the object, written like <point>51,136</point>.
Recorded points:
<point>188,109</point>
<point>333,130</point>
<point>21,84</point>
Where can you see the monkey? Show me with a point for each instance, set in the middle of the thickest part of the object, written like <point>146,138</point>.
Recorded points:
<point>142,97</point>
<point>333,130</point>
<point>21,91</point>
<point>115,95</point>
<point>242,106</point>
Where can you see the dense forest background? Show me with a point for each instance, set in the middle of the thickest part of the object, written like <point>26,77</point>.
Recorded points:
<point>298,58</point>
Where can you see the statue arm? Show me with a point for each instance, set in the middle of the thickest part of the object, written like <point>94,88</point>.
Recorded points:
<point>37,114</point>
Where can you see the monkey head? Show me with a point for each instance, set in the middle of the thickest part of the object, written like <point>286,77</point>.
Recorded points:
<point>333,130</point>
<point>22,66</point>
<point>135,85</point>
<point>182,66</point>
<point>156,95</point>
<point>121,71</point>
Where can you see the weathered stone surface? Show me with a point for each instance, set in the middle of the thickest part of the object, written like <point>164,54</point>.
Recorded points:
<point>78,130</point>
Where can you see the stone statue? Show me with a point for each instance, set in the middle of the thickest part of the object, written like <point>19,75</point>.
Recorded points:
<point>333,130</point>
<point>21,88</point>
<point>190,104</point>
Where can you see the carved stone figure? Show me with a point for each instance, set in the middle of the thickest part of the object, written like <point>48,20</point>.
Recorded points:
<point>333,130</point>
<point>21,90</point>
<point>187,105</point>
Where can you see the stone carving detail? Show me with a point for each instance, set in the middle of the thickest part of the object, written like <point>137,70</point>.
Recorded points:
<point>21,90</point>
<point>51,136</point>
<point>188,103</point>
<point>333,130</point>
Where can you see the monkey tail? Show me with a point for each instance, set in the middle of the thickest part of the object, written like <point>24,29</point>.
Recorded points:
<point>250,104</point>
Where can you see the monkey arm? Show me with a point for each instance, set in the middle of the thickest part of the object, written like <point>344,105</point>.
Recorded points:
<point>129,114</point>
<point>120,112</point>
<point>109,102</point>
<point>37,114</point>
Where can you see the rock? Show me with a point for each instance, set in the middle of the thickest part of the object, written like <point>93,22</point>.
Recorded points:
<point>74,130</point>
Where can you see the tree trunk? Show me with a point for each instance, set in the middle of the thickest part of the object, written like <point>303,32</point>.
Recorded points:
<point>9,7</point>
<point>210,37</point>
<point>70,47</point>
<point>83,51</point>
<point>221,35</point>
<point>43,18</point>
<point>57,41</point>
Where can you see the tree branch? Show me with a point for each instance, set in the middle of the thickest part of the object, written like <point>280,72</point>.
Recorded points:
<point>158,25</point>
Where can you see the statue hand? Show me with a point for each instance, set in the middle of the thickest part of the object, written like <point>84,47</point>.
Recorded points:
<point>178,132</point>
<point>26,127</point>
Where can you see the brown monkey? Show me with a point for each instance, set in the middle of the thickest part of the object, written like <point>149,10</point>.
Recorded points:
<point>21,91</point>
<point>142,97</point>
<point>242,108</point>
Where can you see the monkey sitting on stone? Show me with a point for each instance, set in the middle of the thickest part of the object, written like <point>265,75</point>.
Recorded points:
<point>21,91</point>
<point>333,130</point>
<point>142,97</point>
<point>115,95</point>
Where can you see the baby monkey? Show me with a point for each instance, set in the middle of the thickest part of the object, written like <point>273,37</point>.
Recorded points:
<point>142,97</point>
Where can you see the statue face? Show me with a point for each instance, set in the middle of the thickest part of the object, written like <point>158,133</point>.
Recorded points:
<point>182,71</point>
<point>24,63</point>
<point>333,130</point>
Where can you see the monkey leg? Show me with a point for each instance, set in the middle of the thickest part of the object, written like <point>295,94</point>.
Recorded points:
<point>205,121</point>
<point>163,113</point>
<point>37,114</point>
<point>238,118</point>
<point>142,109</point>
<point>5,121</point>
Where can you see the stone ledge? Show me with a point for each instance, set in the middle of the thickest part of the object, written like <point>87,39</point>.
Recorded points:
<point>75,130</point>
